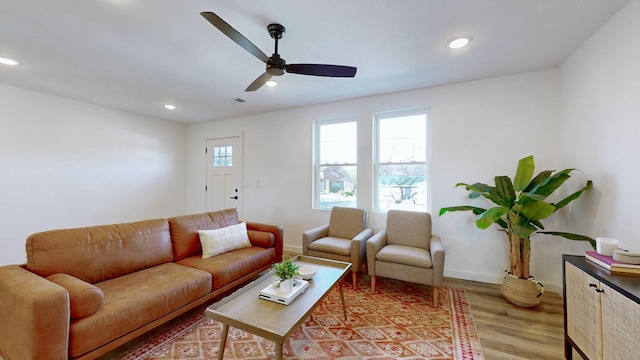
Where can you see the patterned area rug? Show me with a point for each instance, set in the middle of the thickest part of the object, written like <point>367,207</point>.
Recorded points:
<point>397,322</point>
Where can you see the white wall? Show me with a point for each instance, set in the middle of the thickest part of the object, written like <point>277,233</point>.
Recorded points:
<point>479,129</point>
<point>67,164</point>
<point>601,123</point>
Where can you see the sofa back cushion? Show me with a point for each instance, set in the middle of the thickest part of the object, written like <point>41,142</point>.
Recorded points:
<point>346,222</point>
<point>99,253</point>
<point>409,228</point>
<point>184,230</point>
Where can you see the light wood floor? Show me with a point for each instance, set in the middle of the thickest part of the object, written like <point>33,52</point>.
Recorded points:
<point>512,333</point>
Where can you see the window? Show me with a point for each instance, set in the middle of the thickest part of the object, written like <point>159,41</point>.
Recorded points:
<point>335,162</point>
<point>400,161</point>
<point>222,156</point>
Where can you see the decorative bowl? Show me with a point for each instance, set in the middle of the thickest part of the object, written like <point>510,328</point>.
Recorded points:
<point>307,271</point>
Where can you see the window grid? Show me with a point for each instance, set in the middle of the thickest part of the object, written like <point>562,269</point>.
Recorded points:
<point>335,162</point>
<point>222,156</point>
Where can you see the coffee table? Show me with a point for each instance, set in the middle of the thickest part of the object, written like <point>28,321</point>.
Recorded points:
<point>270,320</point>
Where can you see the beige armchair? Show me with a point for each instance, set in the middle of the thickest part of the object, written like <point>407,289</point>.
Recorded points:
<point>343,239</point>
<point>406,250</point>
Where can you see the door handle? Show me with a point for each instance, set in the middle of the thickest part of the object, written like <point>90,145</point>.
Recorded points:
<point>234,197</point>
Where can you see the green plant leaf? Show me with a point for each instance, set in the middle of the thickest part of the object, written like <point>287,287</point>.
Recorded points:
<point>570,236</point>
<point>475,210</point>
<point>490,216</point>
<point>523,230</point>
<point>524,173</point>
<point>574,196</point>
<point>548,186</point>
<point>504,189</point>
<point>537,210</point>
<point>537,180</point>
<point>488,192</point>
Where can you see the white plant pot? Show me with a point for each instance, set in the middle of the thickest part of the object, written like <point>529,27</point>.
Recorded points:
<point>286,285</point>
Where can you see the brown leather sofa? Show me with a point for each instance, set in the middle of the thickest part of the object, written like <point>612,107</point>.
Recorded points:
<point>84,292</point>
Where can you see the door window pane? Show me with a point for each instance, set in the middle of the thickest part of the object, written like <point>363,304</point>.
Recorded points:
<point>222,156</point>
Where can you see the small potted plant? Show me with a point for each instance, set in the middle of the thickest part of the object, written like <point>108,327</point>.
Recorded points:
<point>285,271</point>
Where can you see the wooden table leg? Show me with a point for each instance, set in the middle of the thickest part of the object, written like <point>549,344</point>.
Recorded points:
<point>344,308</point>
<point>279,351</point>
<point>223,340</point>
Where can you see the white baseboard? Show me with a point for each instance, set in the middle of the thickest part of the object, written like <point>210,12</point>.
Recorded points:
<point>295,249</point>
<point>493,279</point>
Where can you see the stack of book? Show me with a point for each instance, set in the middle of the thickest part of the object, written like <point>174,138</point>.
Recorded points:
<point>609,263</point>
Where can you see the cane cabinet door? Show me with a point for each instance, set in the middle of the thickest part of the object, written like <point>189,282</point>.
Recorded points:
<point>584,317</point>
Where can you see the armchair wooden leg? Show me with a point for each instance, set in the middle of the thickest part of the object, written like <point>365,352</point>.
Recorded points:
<point>373,284</point>
<point>354,276</point>
<point>435,296</point>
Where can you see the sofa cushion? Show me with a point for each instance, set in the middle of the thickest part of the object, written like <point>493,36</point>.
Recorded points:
<point>347,222</point>
<point>232,265</point>
<point>408,255</point>
<point>99,253</point>
<point>222,240</point>
<point>332,245</point>
<point>84,298</point>
<point>184,230</point>
<point>261,238</point>
<point>136,299</point>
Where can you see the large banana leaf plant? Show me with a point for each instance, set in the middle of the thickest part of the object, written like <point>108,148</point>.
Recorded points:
<point>519,208</point>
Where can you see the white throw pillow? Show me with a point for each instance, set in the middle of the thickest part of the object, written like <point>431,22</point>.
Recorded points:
<point>218,241</point>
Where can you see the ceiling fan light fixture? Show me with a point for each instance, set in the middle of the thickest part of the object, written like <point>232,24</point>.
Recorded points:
<point>459,42</point>
<point>271,83</point>
<point>10,62</point>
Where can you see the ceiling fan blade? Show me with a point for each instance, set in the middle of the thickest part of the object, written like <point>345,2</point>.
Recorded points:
<point>257,83</point>
<point>322,70</point>
<point>234,35</point>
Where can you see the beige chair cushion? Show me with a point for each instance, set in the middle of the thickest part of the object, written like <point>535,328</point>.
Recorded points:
<point>408,228</point>
<point>346,222</point>
<point>332,245</point>
<point>407,255</point>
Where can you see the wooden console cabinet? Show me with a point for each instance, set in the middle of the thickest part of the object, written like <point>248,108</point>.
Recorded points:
<point>601,311</point>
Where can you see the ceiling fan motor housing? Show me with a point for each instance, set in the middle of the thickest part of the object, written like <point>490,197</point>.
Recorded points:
<point>275,65</point>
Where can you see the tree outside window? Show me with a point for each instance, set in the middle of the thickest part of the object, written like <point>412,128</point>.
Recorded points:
<point>401,161</point>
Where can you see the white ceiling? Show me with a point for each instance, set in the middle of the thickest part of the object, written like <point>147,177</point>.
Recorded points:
<point>137,55</point>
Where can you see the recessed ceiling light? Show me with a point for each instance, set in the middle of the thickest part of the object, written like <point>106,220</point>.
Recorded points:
<point>8,61</point>
<point>170,107</point>
<point>459,42</point>
<point>271,83</point>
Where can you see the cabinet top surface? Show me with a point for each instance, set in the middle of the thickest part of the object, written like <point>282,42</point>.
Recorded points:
<point>629,285</point>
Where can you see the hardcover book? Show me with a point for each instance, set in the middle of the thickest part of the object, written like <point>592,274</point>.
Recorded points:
<point>611,264</point>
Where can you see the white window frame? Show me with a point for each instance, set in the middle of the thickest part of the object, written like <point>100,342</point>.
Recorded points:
<point>316,156</point>
<point>376,154</point>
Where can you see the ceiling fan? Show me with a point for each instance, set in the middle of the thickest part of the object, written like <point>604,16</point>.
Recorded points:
<point>276,66</point>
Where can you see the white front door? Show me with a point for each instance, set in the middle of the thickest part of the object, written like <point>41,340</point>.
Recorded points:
<point>224,174</point>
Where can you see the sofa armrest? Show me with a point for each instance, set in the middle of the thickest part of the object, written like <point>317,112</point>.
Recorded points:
<point>374,244</point>
<point>359,249</point>
<point>35,316</point>
<point>276,230</point>
<point>312,235</point>
<point>437,258</point>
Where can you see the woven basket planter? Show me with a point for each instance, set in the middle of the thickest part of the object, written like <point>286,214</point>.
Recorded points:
<point>522,292</point>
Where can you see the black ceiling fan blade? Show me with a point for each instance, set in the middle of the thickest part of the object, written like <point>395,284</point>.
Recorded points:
<point>322,70</point>
<point>257,83</point>
<point>234,35</point>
